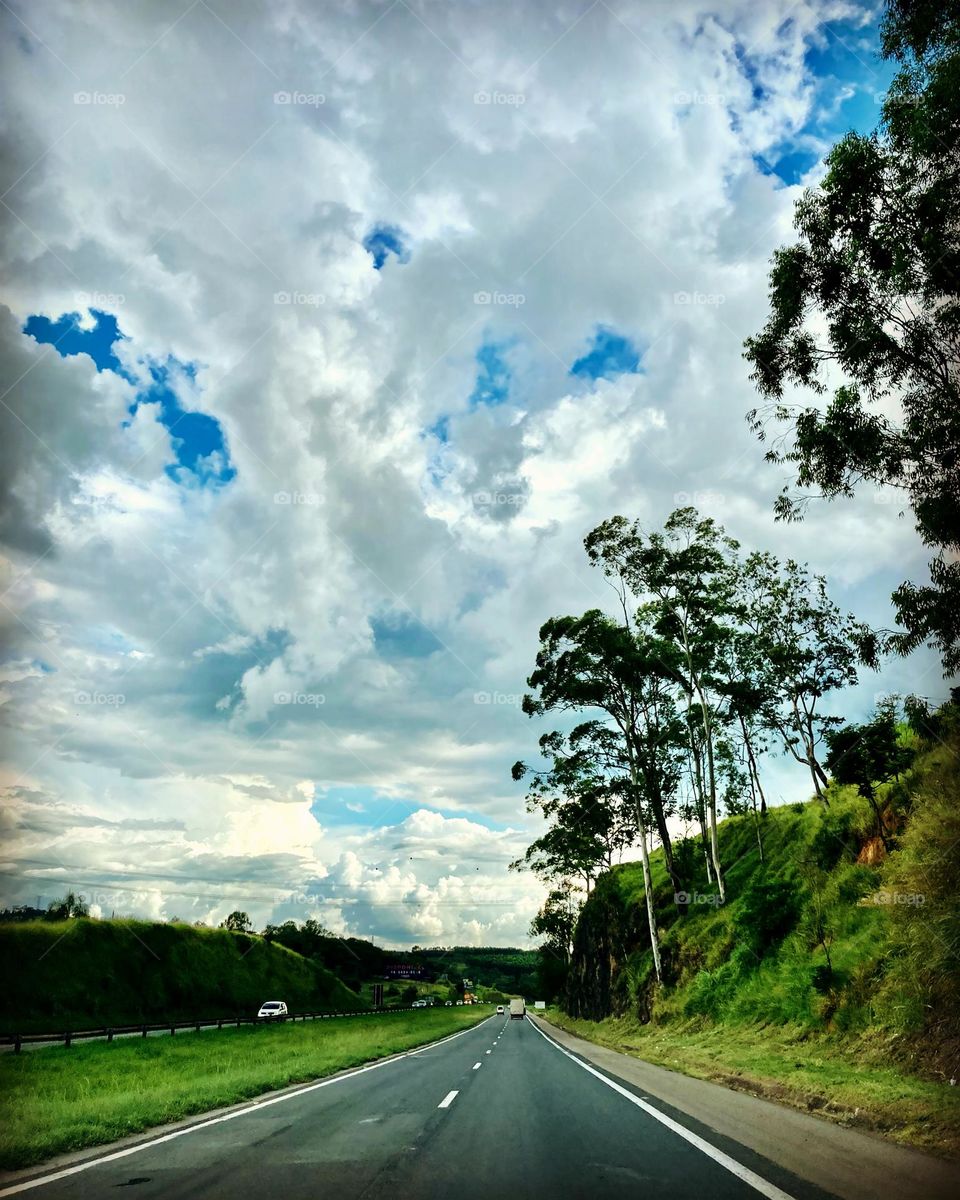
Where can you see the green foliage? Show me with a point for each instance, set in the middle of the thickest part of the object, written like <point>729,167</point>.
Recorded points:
<point>809,938</point>
<point>352,960</point>
<point>765,913</point>
<point>877,265</point>
<point>868,754</point>
<point>921,895</point>
<point>837,836</point>
<point>70,906</point>
<point>57,1100</point>
<point>84,974</point>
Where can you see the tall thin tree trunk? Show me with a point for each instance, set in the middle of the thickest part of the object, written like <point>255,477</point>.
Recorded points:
<point>752,763</point>
<point>756,816</point>
<point>648,889</point>
<point>696,779</point>
<point>647,878</point>
<point>664,833</point>
<point>712,796</point>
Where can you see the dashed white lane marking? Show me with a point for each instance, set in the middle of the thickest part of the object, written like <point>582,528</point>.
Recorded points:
<point>29,1184</point>
<point>489,1051</point>
<point>477,1066</point>
<point>448,1099</point>
<point>771,1191</point>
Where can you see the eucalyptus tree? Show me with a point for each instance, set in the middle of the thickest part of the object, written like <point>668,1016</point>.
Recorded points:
<point>556,923</point>
<point>688,577</point>
<point>586,832</point>
<point>870,754</point>
<point>604,746</point>
<point>871,290</point>
<point>595,662</point>
<point>803,647</point>
<point>576,792</point>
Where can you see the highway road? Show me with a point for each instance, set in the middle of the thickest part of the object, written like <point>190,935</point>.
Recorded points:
<point>497,1111</point>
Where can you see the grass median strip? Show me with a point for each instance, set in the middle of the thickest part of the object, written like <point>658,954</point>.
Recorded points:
<point>56,1100</point>
<point>844,1081</point>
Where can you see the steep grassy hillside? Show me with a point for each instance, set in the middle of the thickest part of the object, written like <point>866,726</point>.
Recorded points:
<point>831,934</point>
<point>82,973</point>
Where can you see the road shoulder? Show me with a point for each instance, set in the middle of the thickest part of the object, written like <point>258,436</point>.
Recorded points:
<point>845,1162</point>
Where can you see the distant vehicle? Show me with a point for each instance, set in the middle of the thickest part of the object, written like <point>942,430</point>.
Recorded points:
<point>273,1010</point>
<point>517,1009</point>
<point>419,1004</point>
<point>448,1004</point>
<point>500,1010</point>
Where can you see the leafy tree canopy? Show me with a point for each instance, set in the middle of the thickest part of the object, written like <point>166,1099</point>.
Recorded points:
<point>869,293</point>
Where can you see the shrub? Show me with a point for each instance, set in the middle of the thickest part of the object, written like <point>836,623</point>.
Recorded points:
<point>766,912</point>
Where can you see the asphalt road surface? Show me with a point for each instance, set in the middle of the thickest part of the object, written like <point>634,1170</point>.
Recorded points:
<point>498,1111</point>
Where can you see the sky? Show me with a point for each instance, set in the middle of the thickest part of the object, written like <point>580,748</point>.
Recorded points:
<point>329,331</point>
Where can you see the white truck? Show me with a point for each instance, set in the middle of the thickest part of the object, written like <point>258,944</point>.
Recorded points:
<point>518,1009</point>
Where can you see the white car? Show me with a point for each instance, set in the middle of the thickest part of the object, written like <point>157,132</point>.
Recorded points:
<point>419,1004</point>
<point>500,1010</point>
<point>273,1010</point>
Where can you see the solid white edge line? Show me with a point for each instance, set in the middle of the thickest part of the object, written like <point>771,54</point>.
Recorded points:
<point>448,1099</point>
<point>28,1184</point>
<point>770,1190</point>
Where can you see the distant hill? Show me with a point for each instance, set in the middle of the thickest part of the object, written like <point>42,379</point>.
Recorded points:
<point>505,969</point>
<point>356,961</point>
<point>83,974</point>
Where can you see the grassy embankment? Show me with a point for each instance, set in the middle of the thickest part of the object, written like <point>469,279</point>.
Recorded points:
<point>828,979</point>
<point>830,1077</point>
<point>56,1100</point>
<point>84,974</point>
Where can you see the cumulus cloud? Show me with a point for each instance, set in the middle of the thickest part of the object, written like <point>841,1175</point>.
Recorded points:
<point>369,243</point>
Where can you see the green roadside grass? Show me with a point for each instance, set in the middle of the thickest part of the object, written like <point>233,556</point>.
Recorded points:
<point>846,1080</point>
<point>56,1100</point>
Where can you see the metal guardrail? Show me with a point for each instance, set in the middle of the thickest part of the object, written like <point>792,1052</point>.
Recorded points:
<point>108,1032</point>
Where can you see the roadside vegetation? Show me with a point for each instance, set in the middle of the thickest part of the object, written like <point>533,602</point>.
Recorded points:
<point>57,1100</point>
<point>852,1082</point>
<point>751,940</point>
<point>827,979</point>
<point>83,974</point>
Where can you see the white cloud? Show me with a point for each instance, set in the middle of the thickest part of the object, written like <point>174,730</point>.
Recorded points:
<point>611,171</point>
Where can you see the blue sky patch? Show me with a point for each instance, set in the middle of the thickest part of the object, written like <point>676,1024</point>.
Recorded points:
<point>401,635</point>
<point>197,438</point>
<point>492,386</point>
<point>610,354</point>
<point>440,429</point>
<point>384,240</point>
<point>849,80</point>
<point>68,339</point>
<point>350,805</point>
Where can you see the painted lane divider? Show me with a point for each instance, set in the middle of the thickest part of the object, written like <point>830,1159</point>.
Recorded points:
<point>477,1066</point>
<point>489,1051</point>
<point>241,1111</point>
<point>757,1182</point>
<point>448,1099</point>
